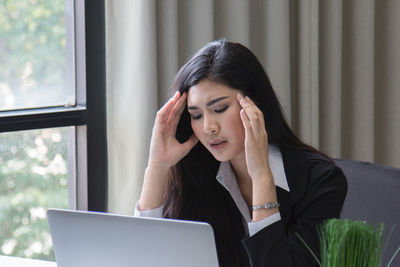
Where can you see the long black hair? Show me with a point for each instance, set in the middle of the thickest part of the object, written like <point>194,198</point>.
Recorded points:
<point>192,192</point>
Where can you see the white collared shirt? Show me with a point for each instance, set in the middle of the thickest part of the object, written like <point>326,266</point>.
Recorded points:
<point>227,179</point>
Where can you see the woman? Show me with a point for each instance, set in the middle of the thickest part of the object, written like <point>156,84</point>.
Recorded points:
<point>221,152</point>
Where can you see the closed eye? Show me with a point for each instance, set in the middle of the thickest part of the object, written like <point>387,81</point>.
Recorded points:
<point>221,110</point>
<point>196,117</point>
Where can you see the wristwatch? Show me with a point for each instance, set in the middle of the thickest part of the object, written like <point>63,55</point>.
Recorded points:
<point>268,205</point>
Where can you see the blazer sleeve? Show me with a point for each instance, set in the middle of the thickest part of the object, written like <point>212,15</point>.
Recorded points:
<point>323,197</point>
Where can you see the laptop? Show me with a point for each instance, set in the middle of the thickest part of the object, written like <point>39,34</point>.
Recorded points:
<point>101,239</point>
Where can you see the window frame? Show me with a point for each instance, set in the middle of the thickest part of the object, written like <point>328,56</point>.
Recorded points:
<point>88,184</point>
<point>96,105</point>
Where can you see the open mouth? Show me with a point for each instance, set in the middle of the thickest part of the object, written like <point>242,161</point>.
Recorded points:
<point>218,145</point>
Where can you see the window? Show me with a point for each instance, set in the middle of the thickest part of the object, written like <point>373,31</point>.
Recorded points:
<point>35,169</point>
<point>36,38</point>
<point>52,117</point>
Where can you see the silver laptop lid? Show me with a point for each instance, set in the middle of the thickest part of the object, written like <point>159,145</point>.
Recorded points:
<point>101,239</point>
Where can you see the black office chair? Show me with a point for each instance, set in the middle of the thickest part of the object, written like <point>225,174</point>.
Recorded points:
<point>374,196</point>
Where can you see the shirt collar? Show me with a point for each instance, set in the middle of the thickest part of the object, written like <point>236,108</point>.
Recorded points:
<point>225,173</point>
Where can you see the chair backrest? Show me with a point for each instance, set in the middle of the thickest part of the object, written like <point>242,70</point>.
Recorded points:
<point>374,196</point>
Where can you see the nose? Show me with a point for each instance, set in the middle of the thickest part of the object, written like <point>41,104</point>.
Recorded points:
<point>211,126</point>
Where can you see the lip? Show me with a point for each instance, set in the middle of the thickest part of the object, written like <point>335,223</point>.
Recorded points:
<point>218,144</point>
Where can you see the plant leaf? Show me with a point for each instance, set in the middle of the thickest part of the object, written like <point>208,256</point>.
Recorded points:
<point>388,238</point>
<point>394,256</point>
<point>309,249</point>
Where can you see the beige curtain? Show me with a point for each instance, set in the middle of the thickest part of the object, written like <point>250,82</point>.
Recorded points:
<point>335,65</point>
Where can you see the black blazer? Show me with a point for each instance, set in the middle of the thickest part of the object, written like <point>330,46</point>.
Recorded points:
<point>317,192</point>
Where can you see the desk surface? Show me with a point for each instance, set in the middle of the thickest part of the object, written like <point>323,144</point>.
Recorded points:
<point>21,262</point>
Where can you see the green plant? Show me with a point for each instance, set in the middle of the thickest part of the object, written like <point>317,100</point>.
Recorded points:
<point>346,242</point>
<point>34,173</point>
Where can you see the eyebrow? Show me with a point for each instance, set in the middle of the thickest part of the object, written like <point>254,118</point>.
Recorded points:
<point>209,103</point>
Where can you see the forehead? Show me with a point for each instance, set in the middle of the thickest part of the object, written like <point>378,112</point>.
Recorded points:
<point>207,90</point>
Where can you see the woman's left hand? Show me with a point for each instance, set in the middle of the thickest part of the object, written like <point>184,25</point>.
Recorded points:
<point>256,139</point>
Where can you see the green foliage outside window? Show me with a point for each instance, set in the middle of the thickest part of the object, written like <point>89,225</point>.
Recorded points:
<point>33,164</point>
<point>32,52</point>
<point>33,177</point>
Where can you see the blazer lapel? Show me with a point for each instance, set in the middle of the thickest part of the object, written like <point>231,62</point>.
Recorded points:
<point>285,204</point>
<point>296,175</point>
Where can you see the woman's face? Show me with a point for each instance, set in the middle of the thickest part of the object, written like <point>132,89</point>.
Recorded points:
<point>215,119</point>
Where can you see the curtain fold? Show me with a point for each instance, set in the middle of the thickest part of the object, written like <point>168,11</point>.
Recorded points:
<point>387,82</point>
<point>334,65</point>
<point>358,79</point>
<point>330,49</point>
<point>131,55</point>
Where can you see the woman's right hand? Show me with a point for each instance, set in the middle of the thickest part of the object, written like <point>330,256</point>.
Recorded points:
<point>165,149</point>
